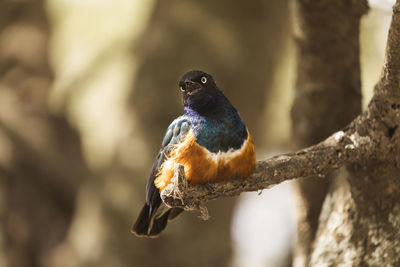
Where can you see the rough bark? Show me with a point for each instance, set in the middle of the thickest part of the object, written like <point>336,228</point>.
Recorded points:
<point>41,164</point>
<point>367,232</point>
<point>328,95</point>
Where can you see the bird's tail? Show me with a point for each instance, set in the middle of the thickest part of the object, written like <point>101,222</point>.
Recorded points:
<point>148,225</point>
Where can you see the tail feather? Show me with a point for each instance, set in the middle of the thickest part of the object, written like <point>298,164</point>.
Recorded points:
<point>159,224</point>
<point>140,228</point>
<point>147,225</point>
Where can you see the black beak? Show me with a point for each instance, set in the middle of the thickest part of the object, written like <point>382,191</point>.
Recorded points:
<point>190,86</point>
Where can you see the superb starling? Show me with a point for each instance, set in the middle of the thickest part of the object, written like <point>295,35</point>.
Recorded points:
<point>210,140</point>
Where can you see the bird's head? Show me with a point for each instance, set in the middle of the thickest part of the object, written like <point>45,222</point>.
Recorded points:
<point>199,90</point>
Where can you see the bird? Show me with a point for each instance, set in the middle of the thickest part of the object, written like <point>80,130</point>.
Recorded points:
<point>210,140</point>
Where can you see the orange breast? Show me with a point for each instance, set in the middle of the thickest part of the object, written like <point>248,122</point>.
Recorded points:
<point>202,166</point>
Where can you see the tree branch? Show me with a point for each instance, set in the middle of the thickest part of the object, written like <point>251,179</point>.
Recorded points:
<point>336,151</point>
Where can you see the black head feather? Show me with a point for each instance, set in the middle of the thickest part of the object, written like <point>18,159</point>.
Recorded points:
<point>199,91</point>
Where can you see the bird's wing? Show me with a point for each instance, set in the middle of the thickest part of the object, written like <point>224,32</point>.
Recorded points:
<point>154,215</point>
<point>176,131</point>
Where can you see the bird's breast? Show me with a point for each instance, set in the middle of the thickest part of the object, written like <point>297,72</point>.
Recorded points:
<point>203,166</point>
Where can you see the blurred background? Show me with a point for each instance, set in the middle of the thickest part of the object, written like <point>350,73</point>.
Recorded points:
<point>87,89</point>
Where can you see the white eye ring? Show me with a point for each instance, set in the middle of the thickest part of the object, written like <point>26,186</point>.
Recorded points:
<point>203,80</point>
<point>182,90</point>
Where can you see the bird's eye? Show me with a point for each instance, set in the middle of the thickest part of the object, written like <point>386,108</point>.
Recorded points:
<point>182,89</point>
<point>203,80</point>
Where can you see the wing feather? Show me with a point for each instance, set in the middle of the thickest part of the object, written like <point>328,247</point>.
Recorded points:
<point>152,220</point>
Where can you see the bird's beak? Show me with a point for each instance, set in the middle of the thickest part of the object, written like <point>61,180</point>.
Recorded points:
<point>191,87</point>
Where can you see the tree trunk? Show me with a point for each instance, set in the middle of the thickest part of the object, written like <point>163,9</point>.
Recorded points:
<point>328,95</point>
<point>361,222</point>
